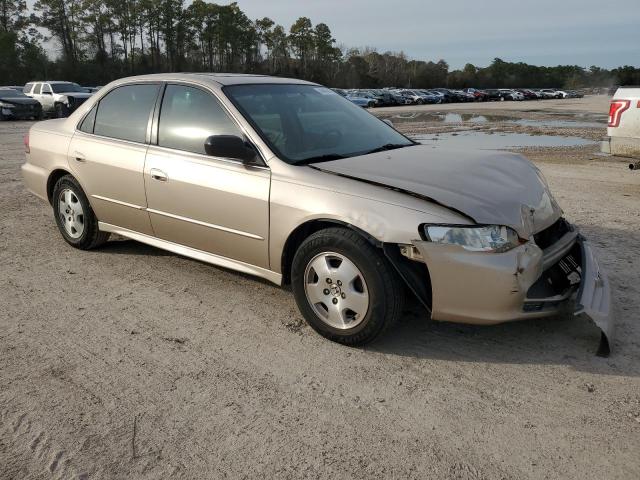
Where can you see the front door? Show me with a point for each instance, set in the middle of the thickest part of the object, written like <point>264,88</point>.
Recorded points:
<point>216,205</point>
<point>108,152</point>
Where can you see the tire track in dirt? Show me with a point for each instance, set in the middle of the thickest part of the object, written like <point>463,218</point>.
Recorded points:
<point>31,443</point>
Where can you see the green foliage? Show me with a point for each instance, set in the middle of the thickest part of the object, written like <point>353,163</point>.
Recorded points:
<point>100,40</point>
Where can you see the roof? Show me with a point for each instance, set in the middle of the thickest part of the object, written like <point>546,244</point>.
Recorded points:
<point>221,79</point>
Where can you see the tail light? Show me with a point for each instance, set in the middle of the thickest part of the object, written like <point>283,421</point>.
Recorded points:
<point>26,144</point>
<point>615,111</point>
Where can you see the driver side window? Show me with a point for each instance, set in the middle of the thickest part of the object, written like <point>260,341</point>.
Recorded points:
<point>46,88</point>
<point>189,116</point>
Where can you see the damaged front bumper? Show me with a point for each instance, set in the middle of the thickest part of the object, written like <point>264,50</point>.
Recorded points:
<point>525,282</point>
<point>594,297</point>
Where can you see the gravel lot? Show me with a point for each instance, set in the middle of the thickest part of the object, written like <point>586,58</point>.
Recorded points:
<point>129,362</point>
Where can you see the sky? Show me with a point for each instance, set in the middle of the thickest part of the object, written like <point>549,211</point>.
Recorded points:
<point>605,33</point>
<point>541,32</point>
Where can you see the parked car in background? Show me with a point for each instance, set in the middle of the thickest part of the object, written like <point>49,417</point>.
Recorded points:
<point>16,105</point>
<point>508,94</point>
<point>623,128</point>
<point>14,87</point>
<point>493,94</point>
<point>365,102</point>
<point>399,98</point>
<point>528,94</point>
<point>285,180</point>
<point>478,95</point>
<point>415,97</point>
<point>430,96</point>
<point>550,93</point>
<point>385,98</point>
<point>58,99</point>
<point>372,101</point>
<point>464,96</point>
<point>92,89</point>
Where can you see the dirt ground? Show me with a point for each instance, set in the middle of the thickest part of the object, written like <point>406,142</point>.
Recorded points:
<point>130,362</point>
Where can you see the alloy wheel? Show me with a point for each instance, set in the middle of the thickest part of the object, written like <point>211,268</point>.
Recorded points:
<point>336,290</point>
<point>71,213</point>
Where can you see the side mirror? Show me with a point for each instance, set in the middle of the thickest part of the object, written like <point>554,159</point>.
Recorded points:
<point>231,146</point>
<point>388,122</point>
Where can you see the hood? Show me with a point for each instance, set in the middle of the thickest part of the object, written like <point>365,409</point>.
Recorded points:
<point>20,101</point>
<point>490,187</point>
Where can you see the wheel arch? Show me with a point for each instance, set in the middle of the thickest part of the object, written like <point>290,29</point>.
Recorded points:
<point>304,230</point>
<point>415,275</point>
<point>53,178</point>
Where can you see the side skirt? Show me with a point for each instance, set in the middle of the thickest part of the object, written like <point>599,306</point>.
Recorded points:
<point>194,253</point>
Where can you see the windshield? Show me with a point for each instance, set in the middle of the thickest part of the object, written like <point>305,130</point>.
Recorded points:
<point>308,123</point>
<point>67,87</point>
<point>11,93</point>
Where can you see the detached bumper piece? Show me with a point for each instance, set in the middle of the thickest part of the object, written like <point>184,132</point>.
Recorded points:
<point>594,297</point>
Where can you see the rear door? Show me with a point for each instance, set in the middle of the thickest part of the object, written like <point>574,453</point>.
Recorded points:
<point>107,155</point>
<point>217,205</point>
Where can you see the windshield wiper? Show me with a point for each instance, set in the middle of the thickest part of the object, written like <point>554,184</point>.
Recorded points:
<point>320,158</point>
<point>388,146</point>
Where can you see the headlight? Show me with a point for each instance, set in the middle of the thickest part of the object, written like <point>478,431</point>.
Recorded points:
<point>490,238</point>
<point>67,100</point>
<point>6,105</point>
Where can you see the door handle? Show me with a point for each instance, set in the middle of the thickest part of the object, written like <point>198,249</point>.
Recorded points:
<point>79,157</point>
<point>158,175</point>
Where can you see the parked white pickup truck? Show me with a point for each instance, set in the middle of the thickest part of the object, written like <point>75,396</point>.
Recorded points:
<point>624,125</point>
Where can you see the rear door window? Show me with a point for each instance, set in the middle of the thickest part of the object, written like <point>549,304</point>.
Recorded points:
<point>37,89</point>
<point>124,112</point>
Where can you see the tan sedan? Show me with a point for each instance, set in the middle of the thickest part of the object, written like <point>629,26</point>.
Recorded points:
<point>287,180</point>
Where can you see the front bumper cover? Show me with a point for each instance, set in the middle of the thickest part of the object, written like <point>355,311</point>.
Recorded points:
<point>594,297</point>
<point>480,288</point>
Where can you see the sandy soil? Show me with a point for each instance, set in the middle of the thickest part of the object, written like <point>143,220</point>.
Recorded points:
<point>129,362</point>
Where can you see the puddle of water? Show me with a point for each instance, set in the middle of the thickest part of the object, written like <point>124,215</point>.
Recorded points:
<point>452,118</point>
<point>437,117</point>
<point>497,141</point>
<point>558,123</point>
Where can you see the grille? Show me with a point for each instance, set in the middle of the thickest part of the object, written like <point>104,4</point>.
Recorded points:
<point>552,234</point>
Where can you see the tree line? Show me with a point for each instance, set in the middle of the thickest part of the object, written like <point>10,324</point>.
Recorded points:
<point>101,40</point>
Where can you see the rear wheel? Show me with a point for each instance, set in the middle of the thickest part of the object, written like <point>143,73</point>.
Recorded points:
<point>74,216</point>
<point>344,287</point>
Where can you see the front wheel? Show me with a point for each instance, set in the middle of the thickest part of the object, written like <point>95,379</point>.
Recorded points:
<point>61,110</point>
<point>74,216</point>
<point>344,287</point>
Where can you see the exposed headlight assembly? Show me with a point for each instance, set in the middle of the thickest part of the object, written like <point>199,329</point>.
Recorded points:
<point>488,238</point>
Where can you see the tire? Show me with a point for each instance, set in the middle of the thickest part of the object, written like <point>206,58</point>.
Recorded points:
<point>61,111</point>
<point>77,223</point>
<point>366,282</point>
